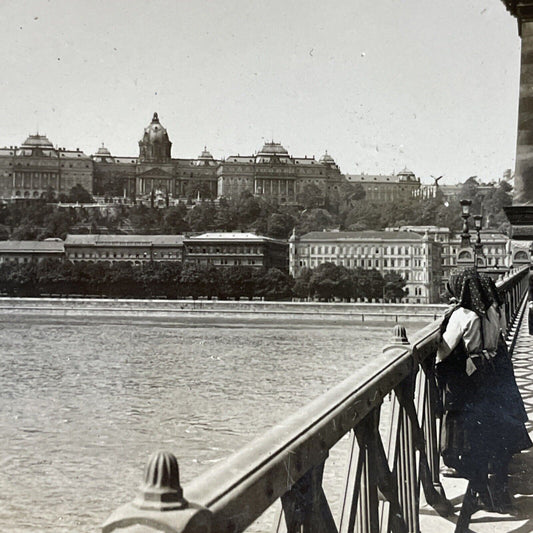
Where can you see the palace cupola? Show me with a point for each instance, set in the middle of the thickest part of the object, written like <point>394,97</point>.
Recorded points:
<point>406,175</point>
<point>326,159</point>
<point>272,152</point>
<point>155,145</point>
<point>205,159</point>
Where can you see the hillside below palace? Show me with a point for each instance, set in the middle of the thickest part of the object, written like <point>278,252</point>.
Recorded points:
<point>37,167</point>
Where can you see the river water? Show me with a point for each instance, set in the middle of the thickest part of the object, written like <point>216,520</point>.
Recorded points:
<point>84,403</point>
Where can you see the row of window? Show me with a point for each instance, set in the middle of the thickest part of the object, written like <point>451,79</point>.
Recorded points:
<point>223,261</point>
<point>371,263</point>
<point>500,250</point>
<point>364,250</point>
<point>124,255</point>
<point>71,165</point>
<point>226,250</point>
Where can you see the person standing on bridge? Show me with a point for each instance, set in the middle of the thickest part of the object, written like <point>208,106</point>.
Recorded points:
<point>483,422</point>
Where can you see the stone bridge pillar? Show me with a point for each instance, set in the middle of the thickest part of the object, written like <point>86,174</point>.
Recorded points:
<point>521,213</point>
<point>523,194</point>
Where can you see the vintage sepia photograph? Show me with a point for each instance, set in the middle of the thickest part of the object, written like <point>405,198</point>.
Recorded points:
<point>265,266</point>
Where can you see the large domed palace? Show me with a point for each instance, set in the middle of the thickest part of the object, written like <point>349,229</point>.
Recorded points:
<point>37,167</point>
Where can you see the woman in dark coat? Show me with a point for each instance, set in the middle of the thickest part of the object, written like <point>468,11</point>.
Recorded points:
<point>483,422</point>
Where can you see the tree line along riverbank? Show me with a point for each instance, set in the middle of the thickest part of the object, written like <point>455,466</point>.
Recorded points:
<point>174,280</point>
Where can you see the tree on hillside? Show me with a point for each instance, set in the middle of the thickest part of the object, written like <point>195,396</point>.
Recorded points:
<point>344,198</point>
<point>199,188</point>
<point>145,220</point>
<point>279,225</point>
<point>315,220</point>
<point>225,218</point>
<point>79,194</point>
<point>311,196</point>
<point>364,215</point>
<point>493,206</point>
<point>246,209</point>
<point>173,220</point>
<point>49,195</point>
<point>113,185</point>
<point>59,223</point>
<point>470,191</point>
<point>202,217</point>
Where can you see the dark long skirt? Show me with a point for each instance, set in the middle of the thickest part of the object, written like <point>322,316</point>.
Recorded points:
<point>484,414</point>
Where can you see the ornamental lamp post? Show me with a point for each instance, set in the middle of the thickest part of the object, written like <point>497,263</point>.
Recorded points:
<point>465,215</point>
<point>478,247</point>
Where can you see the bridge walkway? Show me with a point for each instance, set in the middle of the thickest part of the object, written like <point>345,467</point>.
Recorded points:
<point>521,481</point>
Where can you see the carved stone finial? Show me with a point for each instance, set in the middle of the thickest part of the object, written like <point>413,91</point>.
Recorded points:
<point>161,489</point>
<point>399,335</point>
<point>398,339</point>
<point>155,118</point>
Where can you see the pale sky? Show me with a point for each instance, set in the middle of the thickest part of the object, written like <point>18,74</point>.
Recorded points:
<point>380,84</point>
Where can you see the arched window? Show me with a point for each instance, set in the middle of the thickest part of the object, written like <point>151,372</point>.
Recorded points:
<point>465,254</point>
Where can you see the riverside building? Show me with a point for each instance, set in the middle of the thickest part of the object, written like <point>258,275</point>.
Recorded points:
<point>137,249</point>
<point>417,258</point>
<point>31,251</point>
<point>233,249</point>
<point>497,255</point>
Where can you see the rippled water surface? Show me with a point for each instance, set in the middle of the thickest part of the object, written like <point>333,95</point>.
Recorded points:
<point>83,404</point>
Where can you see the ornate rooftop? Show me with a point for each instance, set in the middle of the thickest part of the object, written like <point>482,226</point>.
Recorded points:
<point>37,140</point>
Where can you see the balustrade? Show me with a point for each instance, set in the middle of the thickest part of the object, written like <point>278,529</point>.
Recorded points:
<point>382,487</point>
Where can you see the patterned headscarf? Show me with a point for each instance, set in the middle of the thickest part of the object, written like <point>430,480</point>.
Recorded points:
<point>490,289</point>
<point>467,287</point>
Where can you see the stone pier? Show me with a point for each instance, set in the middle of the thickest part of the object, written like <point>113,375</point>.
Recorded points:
<point>520,214</point>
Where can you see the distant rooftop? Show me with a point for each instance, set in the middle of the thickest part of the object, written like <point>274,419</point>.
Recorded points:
<point>103,240</point>
<point>235,236</point>
<point>32,246</point>
<point>37,140</point>
<point>403,176</point>
<point>361,235</point>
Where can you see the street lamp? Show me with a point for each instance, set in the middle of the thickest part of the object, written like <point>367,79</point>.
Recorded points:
<point>465,215</point>
<point>478,247</point>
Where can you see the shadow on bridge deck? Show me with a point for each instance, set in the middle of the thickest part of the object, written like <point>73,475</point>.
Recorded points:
<point>521,467</point>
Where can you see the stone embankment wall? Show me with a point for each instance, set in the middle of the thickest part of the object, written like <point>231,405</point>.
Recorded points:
<point>220,310</point>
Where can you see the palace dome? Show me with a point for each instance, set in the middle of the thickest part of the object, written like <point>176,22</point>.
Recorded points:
<point>37,140</point>
<point>205,158</point>
<point>406,175</point>
<point>103,151</point>
<point>206,154</point>
<point>327,159</point>
<point>155,145</point>
<point>406,172</point>
<point>271,148</point>
<point>154,132</point>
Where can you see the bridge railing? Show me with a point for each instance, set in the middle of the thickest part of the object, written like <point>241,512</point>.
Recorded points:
<point>385,476</point>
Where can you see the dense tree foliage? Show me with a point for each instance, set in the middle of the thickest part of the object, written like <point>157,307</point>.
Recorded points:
<point>173,280</point>
<point>346,209</point>
<point>150,280</point>
<point>334,282</point>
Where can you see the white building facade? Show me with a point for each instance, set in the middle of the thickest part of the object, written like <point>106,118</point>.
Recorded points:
<point>417,258</point>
